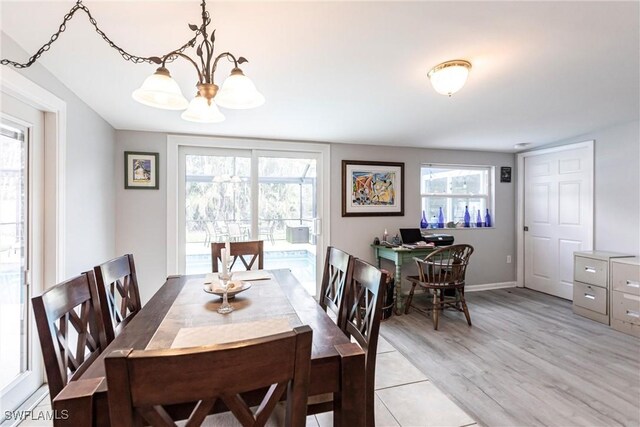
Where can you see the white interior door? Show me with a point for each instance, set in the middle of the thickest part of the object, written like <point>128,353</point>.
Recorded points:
<point>21,249</point>
<point>558,217</point>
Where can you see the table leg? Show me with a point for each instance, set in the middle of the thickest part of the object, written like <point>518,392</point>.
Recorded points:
<point>349,404</point>
<point>398,289</point>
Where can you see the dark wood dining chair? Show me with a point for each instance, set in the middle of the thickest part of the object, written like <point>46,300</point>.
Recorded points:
<point>247,252</point>
<point>143,383</point>
<point>442,273</point>
<point>70,329</point>
<point>119,293</point>
<point>337,272</point>
<point>364,293</point>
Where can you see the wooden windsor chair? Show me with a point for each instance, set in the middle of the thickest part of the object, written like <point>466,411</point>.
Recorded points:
<point>441,272</point>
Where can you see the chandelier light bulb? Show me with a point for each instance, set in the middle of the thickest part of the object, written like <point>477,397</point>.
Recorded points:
<point>449,77</point>
<point>202,111</point>
<point>238,92</point>
<point>160,91</point>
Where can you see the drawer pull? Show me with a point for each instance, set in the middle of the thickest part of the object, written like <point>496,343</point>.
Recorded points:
<point>590,269</point>
<point>589,296</point>
<point>633,284</point>
<point>631,313</point>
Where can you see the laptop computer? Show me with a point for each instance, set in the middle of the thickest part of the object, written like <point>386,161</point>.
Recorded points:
<point>411,236</point>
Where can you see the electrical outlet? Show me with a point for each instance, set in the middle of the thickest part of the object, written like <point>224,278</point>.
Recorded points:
<point>508,259</point>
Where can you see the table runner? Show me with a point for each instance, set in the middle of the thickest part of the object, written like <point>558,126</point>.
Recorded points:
<point>193,307</point>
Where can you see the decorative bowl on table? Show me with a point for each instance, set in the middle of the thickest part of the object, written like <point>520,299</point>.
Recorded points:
<point>235,287</point>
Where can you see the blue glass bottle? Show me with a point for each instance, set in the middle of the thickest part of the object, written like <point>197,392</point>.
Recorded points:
<point>479,219</point>
<point>467,217</point>
<point>441,219</point>
<point>423,222</point>
<point>487,219</point>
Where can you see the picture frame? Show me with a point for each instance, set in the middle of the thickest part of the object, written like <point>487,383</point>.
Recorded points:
<point>505,174</point>
<point>141,171</point>
<point>372,188</point>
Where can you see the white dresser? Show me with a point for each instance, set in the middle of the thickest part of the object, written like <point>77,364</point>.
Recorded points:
<point>591,288</point>
<point>625,295</point>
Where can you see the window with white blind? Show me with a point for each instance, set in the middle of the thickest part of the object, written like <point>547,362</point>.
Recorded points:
<point>454,188</point>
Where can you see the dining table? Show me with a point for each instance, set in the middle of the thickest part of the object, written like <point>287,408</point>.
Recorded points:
<point>183,314</point>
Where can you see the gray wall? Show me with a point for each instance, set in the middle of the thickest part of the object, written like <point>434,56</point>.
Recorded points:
<point>617,186</point>
<point>90,190</point>
<point>141,228</point>
<point>354,235</point>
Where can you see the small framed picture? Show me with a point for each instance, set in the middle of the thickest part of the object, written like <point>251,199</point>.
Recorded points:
<point>141,170</point>
<point>505,174</point>
<point>372,188</point>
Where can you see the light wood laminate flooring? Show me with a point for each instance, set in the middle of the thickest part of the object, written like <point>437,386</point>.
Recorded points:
<point>527,361</point>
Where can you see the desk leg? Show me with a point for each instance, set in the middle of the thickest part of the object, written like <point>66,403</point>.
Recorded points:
<point>349,404</point>
<point>398,289</point>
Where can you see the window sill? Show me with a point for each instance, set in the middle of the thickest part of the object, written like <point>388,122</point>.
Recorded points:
<point>438,230</point>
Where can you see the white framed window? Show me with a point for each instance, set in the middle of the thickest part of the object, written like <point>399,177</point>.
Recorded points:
<point>454,188</point>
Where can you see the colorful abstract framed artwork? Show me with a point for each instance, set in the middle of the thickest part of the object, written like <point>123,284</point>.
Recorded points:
<point>141,171</point>
<point>372,188</point>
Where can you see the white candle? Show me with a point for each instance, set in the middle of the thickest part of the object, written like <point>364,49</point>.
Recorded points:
<point>227,246</point>
<point>223,259</point>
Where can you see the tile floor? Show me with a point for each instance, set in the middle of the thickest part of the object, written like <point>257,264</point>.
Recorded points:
<point>404,397</point>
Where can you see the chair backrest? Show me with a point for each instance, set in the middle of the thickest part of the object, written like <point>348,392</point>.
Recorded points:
<point>141,382</point>
<point>364,295</point>
<point>70,329</point>
<point>119,293</point>
<point>337,272</point>
<point>247,252</point>
<point>445,266</point>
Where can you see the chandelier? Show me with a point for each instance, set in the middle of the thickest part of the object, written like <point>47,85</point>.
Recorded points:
<point>160,90</point>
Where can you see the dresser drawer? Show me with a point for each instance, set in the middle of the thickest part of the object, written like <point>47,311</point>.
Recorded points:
<point>626,307</point>
<point>591,271</point>
<point>590,297</point>
<point>625,278</point>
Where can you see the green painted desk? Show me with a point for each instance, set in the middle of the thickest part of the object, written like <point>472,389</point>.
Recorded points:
<point>399,256</point>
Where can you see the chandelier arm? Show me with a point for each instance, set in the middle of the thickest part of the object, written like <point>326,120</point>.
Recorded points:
<point>207,71</point>
<point>63,26</point>
<point>227,55</point>
<point>182,55</point>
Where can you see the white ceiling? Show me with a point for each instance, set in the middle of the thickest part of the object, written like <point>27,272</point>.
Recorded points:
<point>355,72</point>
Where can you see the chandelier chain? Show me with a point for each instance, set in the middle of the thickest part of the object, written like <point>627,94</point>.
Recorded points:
<point>127,56</point>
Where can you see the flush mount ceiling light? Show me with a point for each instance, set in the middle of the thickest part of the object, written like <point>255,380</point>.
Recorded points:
<point>449,77</point>
<point>160,90</point>
<point>521,145</point>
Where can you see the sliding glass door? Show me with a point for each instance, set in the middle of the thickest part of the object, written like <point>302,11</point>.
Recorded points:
<point>288,211</point>
<point>240,195</point>
<point>21,227</point>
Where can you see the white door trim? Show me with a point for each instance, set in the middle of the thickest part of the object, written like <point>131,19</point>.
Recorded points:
<point>55,142</point>
<point>175,141</point>
<point>520,200</point>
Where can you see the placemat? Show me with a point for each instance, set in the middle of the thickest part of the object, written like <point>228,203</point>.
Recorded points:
<point>220,334</point>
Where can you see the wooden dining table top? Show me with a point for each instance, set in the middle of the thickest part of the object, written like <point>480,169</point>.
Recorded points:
<point>337,365</point>
<point>181,303</point>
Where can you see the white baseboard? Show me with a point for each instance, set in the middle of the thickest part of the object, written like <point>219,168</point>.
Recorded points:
<point>489,286</point>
